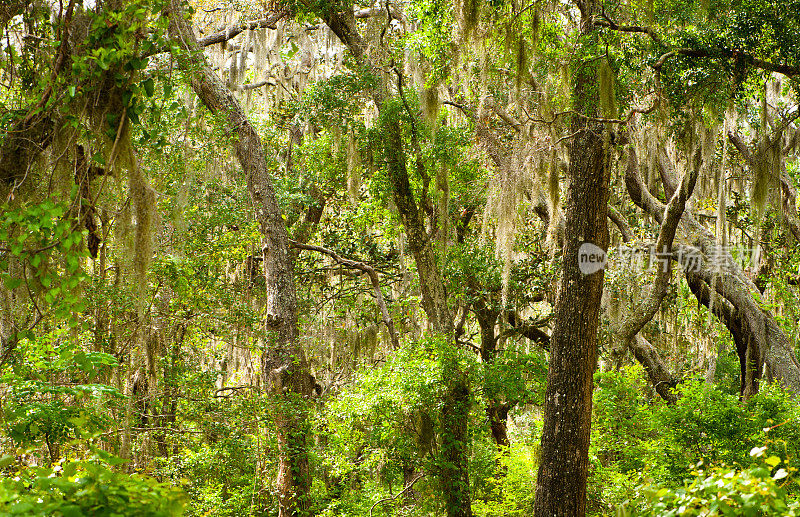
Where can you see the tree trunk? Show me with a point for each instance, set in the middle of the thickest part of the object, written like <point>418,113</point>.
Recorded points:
<point>454,467</point>
<point>563,467</point>
<point>284,366</point>
<point>496,410</point>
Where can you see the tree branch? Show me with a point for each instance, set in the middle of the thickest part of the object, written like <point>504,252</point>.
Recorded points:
<point>619,220</point>
<point>235,30</point>
<point>398,494</point>
<point>632,325</point>
<point>789,71</point>
<point>608,23</point>
<point>373,276</point>
<point>639,192</point>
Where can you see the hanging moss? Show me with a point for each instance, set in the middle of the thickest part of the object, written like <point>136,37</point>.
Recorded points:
<point>708,145</point>
<point>722,179</point>
<point>525,175</point>
<point>430,104</point>
<point>143,203</point>
<point>769,162</point>
<point>246,42</point>
<point>353,169</point>
<point>605,84</point>
<point>469,16</point>
<point>769,168</point>
<point>261,49</point>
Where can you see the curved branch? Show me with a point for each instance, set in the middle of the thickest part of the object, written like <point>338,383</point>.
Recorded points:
<point>662,379</point>
<point>639,192</point>
<point>619,220</point>
<point>631,326</point>
<point>235,30</point>
<point>767,340</point>
<point>373,276</point>
<point>608,23</point>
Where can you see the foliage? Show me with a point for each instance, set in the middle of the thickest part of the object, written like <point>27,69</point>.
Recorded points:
<point>757,491</point>
<point>154,351</point>
<point>84,487</point>
<point>508,488</point>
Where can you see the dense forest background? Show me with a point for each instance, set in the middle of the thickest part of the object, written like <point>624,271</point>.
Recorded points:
<point>419,257</point>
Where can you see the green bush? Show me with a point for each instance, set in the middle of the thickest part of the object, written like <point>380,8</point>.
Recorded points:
<point>511,489</point>
<point>622,420</point>
<point>759,491</point>
<point>81,488</point>
<point>705,425</point>
<point>709,426</point>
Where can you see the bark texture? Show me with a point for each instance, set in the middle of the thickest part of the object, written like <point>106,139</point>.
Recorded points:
<point>627,331</point>
<point>496,409</point>
<point>563,466</point>
<point>284,365</point>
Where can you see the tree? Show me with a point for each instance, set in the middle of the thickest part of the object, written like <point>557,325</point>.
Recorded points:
<point>285,367</point>
<point>456,406</point>
<point>561,482</point>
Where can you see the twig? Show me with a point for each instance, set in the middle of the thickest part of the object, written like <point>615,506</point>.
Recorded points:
<point>403,491</point>
<point>373,276</point>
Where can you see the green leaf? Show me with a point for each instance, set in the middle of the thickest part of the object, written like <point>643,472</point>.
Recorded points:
<point>149,86</point>
<point>6,460</point>
<point>70,468</point>
<point>772,461</point>
<point>133,116</point>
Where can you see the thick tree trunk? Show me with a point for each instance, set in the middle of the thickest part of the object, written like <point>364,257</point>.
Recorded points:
<point>284,365</point>
<point>563,467</point>
<point>736,325</point>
